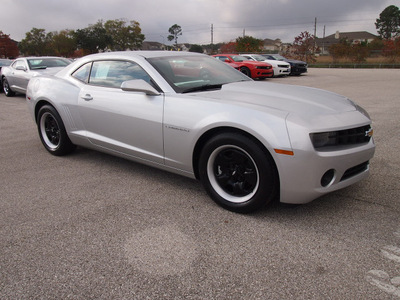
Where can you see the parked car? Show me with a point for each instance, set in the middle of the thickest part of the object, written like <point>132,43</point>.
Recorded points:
<point>281,68</point>
<point>252,69</point>
<point>248,142</point>
<point>15,77</point>
<point>4,63</point>
<point>298,67</point>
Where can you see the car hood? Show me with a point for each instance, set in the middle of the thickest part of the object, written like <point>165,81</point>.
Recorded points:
<point>293,61</point>
<point>303,101</point>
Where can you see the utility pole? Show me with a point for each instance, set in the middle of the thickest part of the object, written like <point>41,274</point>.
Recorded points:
<point>212,38</point>
<point>315,34</point>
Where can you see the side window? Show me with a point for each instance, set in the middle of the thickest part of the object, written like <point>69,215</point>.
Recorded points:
<point>223,58</point>
<point>82,73</point>
<point>113,73</point>
<point>19,63</point>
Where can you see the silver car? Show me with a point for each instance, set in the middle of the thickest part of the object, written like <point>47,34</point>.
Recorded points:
<point>248,142</point>
<point>15,77</point>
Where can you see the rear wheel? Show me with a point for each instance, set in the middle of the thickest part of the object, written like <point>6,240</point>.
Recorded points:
<point>6,88</point>
<point>52,132</point>
<point>237,173</point>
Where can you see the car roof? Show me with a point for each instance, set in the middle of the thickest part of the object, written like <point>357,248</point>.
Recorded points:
<point>145,54</point>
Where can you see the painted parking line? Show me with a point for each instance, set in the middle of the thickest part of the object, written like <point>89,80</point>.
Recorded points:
<point>382,279</point>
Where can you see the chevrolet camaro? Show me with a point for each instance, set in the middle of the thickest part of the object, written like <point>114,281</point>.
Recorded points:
<point>248,142</point>
<point>15,77</point>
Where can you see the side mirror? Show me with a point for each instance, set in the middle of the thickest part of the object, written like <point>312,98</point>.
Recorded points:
<point>227,60</point>
<point>139,85</point>
<point>21,68</point>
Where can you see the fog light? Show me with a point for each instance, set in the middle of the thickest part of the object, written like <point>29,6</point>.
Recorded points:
<point>327,178</point>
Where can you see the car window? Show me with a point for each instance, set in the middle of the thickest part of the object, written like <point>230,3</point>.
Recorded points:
<point>222,58</point>
<point>113,73</point>
<point>19,63</point>
<point>44,63</point>
<point>82,73</point>
<point>238,58</point>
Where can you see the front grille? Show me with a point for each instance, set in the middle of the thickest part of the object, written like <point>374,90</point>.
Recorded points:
<point>355,171</point>
<point>263,67</point>
<point>353,136</point>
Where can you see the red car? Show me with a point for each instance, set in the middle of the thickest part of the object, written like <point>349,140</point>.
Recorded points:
<point>253,69</point>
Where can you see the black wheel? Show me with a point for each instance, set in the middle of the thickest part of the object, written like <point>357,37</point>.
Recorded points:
<point>52,132</point>
<point>6,88</point>
<point>237,173</point>
<point>245,71</point>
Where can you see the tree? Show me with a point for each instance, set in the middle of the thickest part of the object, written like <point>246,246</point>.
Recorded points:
<point>388,24</point>
<point>63,43</point>
<point>93,38</point>
<point>175,31</point>
<point>359,52</point>
<point>124,35</point>
<point>248,44</point>
<point>304,47</point>
<point>391,49</point>
<point>196,48</point>
<point>340,50</point>
<point>8,47</point>
<point>36,42</point>
<point>229,47</point>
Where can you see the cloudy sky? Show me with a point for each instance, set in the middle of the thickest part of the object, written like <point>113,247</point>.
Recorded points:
<point>284,19</point>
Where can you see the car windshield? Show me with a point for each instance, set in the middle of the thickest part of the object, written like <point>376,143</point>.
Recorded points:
<point>238,58</point>
<point>195,73</point>
<point>44,63</point>
<point>278,57</point>
<point>258,57</point>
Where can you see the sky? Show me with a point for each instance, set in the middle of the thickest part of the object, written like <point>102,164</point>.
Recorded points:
<point>201,20</point>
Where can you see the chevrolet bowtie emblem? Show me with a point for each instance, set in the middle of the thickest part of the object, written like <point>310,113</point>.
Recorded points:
<point>369,133</point>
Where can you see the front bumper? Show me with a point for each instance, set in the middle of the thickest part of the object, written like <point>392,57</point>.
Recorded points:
<point>301,176</point>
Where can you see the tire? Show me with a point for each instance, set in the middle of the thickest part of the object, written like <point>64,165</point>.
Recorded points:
<point>245,71</point>
<point>237,173</point>
<point>6,88</point>
<point>52,132</point>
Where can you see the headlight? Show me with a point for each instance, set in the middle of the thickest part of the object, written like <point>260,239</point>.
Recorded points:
<point>322,139</point>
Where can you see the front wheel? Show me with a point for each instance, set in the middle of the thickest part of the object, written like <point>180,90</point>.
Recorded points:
<point>6,88</point>
<point>245,71</point>
<point>237,173</point>
<point>52,132</point>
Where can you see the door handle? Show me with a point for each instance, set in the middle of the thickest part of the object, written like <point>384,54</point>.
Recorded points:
<point>87,97</point>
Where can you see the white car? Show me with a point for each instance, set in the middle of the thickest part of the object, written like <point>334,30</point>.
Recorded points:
<point>15,77</point>
<point>249,142</point>
<point>281,68</point>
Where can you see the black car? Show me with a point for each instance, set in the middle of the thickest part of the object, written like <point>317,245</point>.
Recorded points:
<point>297,66</point>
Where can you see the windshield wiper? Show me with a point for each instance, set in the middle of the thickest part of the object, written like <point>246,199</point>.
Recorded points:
<point>206,87</point>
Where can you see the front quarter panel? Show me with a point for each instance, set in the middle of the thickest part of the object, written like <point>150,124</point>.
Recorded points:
<point>187,118</point>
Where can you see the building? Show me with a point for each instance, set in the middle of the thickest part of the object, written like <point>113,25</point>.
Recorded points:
<point>272,45</point>
<point>353,37</point>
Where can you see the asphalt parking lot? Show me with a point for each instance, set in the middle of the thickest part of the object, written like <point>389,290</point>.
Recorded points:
<point>92,226</point>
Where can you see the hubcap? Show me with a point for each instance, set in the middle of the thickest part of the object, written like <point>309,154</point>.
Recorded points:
<point>5,87</point>
<point>233,174</point>
<point>50,130</point>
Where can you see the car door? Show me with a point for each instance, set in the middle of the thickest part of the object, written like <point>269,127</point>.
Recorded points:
<point>19,76</point>
<point>122,121</point>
